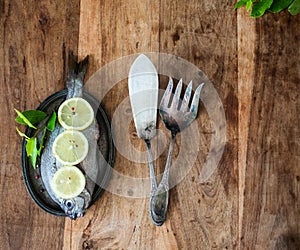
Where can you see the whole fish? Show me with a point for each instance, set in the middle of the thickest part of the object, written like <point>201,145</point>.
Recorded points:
<point>76,207</point>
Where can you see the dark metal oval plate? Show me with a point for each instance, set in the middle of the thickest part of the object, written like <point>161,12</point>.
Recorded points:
<point>36,188</point>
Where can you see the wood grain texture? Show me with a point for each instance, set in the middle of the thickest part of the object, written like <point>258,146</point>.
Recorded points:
<point>271,196</point>
<point>34,37</point>
<point>250,202</point>
<point>246,55</point>
<point>205,36</point>
<point>110,30</point>
<point>200,214</point>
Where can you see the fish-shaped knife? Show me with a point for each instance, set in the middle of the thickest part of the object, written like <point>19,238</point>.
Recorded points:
<point>143,93</point>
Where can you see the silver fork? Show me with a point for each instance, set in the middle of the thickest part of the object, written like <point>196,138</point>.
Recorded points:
<point>176,117</point>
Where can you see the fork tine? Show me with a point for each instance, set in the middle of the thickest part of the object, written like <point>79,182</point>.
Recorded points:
<point>176,97</point>
<point>166,97</point>
<point>187,97</point>
<point>195,101</point>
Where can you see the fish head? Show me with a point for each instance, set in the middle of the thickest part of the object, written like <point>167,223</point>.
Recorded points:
<point>76,207</point>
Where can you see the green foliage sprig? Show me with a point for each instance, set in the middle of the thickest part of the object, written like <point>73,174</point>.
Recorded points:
<point>259,7</point>
<point>34,145</point>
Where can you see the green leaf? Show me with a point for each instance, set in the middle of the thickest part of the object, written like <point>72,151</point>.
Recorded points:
<point>249,4</point>
<point>294,8</point>
<point>33,116</point>
<point>51,122</point>
<point>33,161</point>
<point>30,146</point>
<point>279,5</point>
<point>34,146</point>
<point>240,4</point>
<point>25,120</point>
<point>260,7</point>
<point>21,133</point>
<point>31,150</point>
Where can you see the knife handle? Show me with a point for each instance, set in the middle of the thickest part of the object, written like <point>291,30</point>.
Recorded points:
<point>151,167</point>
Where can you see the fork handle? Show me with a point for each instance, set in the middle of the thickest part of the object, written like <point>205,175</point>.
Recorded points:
<point>165,178</point>
<point>159,200</point>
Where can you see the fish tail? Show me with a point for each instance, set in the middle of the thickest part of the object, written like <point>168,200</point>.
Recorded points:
<point>77,69</point>
<point>76,75</point>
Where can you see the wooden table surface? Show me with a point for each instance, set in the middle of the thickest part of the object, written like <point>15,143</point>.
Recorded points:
<point>250,202</point>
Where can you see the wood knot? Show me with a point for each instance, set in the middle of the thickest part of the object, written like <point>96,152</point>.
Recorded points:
<point>87,244</point>
<point>176,34</point>
<point>44,22</point>
<point>130,192</point>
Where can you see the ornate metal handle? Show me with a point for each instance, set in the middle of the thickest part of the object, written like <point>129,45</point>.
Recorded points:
<point>160,198</point>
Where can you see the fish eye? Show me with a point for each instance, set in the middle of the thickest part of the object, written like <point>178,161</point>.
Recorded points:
<point>69,204</point>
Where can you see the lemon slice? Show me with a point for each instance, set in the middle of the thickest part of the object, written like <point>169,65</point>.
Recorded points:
<point>68,182</point>
<point>70,147</point>
<point>75,113</point>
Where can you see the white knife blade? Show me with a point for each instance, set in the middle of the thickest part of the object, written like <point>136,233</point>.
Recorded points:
<point>143,93</point>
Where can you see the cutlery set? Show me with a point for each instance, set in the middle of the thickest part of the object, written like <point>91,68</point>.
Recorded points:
<point>176,114</point>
